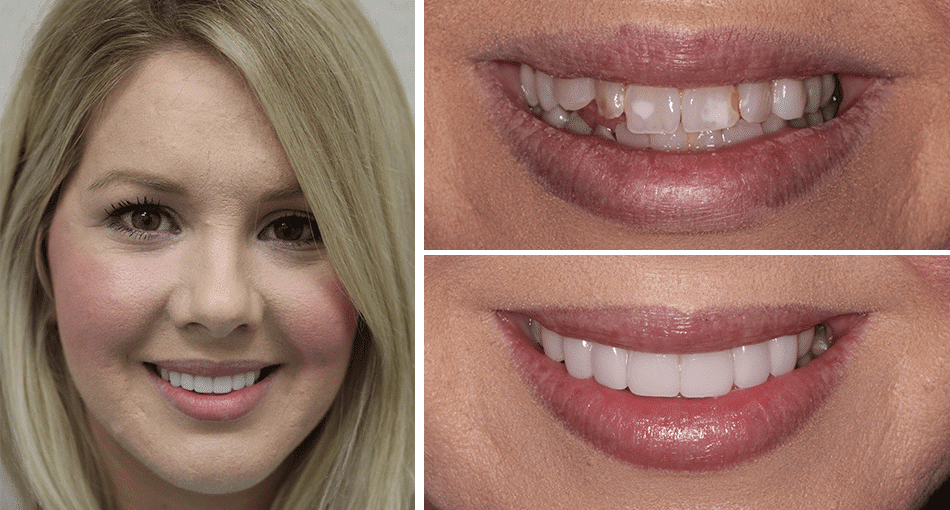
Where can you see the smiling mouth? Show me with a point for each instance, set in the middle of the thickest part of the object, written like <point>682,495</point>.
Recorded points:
<point>218,385</point>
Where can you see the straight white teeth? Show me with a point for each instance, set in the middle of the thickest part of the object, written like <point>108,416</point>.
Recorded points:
<point>673,119</point>
<point>704,374</point>
<point>203,384</point>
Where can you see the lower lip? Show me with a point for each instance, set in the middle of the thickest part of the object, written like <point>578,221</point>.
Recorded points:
<point>676,433</point>
<point>727,188</point>
<point>210,406</point>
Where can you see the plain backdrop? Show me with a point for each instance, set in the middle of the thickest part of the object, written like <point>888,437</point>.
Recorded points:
<point>394,20</point>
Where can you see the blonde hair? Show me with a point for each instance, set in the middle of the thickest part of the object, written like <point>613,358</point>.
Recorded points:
<point>322,77</point>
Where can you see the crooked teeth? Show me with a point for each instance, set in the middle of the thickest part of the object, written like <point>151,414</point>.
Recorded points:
<point>681,119</point>
<point>203,384</point>
<point>707,374</point>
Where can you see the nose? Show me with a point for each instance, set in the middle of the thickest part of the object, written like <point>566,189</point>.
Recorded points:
<point>218,293</point>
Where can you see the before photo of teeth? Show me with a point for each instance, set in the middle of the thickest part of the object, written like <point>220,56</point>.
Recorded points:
<point>661,382</point>
<point>644,124</point>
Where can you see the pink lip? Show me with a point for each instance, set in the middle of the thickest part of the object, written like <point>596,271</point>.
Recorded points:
<point>676,433</point>
<point>211,407</point>
<point>695,191</point>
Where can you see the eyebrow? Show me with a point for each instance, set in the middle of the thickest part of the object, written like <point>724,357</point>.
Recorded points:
<point>168,186</point>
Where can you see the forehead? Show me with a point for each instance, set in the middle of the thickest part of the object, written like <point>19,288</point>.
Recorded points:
<point>189,118</point>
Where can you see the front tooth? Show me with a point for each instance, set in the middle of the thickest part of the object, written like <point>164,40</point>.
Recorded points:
<point>577,357</point>
<point>188,382</point>
<point>545,85</point>
<point>610,98</point>
<point>751,363</point>
<point>223,384</point>
<point>710,108</point>
<point>755,101</point>
<point>553,344</point>
<point>204,384</point>
<point>783,354</point>
<point>635,140</point>
<point>773,124</point>
<point>653,375</point>
<point>609,366</point>
<point>574,93</point>
<point>238,382</point>
<point>528,86</point>
<point>174,378</point>
<point>788,98</point>
<point>813,94</point>
<point>652,110</point>
<point>678,140</point>
<point>705,139</point>
<point>706,374</point>
<point>741,132</point>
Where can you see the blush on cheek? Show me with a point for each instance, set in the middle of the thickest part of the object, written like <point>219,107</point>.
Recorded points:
<point>326,324</point>
<point>934,271</point>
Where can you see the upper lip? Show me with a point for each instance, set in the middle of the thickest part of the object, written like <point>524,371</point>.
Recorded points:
<point>210,368</point>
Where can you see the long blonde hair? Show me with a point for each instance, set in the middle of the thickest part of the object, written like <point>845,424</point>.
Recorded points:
<point>323,79</point>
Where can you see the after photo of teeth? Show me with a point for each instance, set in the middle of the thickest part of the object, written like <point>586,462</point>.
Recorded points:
<point>699,381</point>
<point>635,124</point>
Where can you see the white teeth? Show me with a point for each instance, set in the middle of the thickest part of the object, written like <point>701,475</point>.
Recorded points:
<point>656,117</point>
<point>206,384</point>
<point>707,374</point>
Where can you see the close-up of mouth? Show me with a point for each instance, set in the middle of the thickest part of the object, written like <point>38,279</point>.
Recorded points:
<point>660,389</point>
<point>671,131</point>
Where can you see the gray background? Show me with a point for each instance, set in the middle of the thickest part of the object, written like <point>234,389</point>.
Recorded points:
<point>394,20</point>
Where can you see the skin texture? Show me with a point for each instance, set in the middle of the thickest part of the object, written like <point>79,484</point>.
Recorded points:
<point>212,281</point>
<point>890,195</point>
<point>880,441</point>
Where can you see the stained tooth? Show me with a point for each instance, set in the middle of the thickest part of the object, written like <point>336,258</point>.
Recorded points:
<point>553,344</point>
<point>528,86</point>
<point>605,132</point>
<point>635,140</point>
<point>804,360</point>
<point>820,345</point>
<point>238,382</point>
<point>788,98</point>
<point>556,117</point>
<point>573,93</point>
<point>773,124</point>
<point>751,363</point>
<point>814,119</point>
<point>827,88</point>
<point>653,375</point>
<point>174,378</point>
<point>813,93</point>
<point>610,366</point>
<point>755,101</point>
<point>828,112</point>
<point>577,125</point>
<point>652,110</point>
<point>204,384</point>
<point>805,339</point>
<point>741,132</point>
<point>188,382</point>
<point>782,354</point>
<point>577,357</point>
<point>164,373</point>
<point>223,384</point>
<point>534,330</point>
<point>610,97</point>
<point>709,108</point>
<point>545,84</point>
<point>678,140</point>
<point>798,123</point>
<point>707,374</point>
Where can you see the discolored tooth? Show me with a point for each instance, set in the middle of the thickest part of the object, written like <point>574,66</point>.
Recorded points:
<point>634,140</point>
<point>534,330</point>
<point>188,382</point>
<point>827,88</point>
<point>813,94</point>
<point>528,87</point>
<point>604,132</point>
<point>709,108</point>
<point>573,93</point>
<point>174,378</point>
<point>545,84</point>
<point>798,123</point>
<point>788,98</point>
<point>707,374</point>
<point>610,97</point>
<point>751,364</point>
<point>204,384</point>
<point>814,119</point>
<point>782,354</point>
<point>577,357</point>
<point>773,124</point>
<point>821,344</point>
<point>755,101</point>
<point>804,360</point>
<point>805,339</point>
<point>652,110</point>
<point>829,111</point>
<point>653,375</point>
<point>676,141</point>
<point>250,377</point>
<point>705,139</point>
<point>576,124</point>
<point>610,366</point>
<point>164,373</point>
<point>224,384</point>
<point>553,344</point>
<point>238,382</point>
<point>556,117</point>
<point>741,132</point>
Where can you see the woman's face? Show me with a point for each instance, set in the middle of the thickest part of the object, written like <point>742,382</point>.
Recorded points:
<point>873,175</point>
<point>184,257</point>
<point>863,425</point>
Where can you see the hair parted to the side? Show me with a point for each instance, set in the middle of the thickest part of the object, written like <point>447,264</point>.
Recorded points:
<point>322,77</point>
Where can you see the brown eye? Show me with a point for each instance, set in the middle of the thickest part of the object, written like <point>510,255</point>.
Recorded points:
<point>298,230</point>
<point>144,219</point>
<point>290,228</point>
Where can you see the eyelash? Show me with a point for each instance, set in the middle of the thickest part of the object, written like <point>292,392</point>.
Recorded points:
<point>121,208</point>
